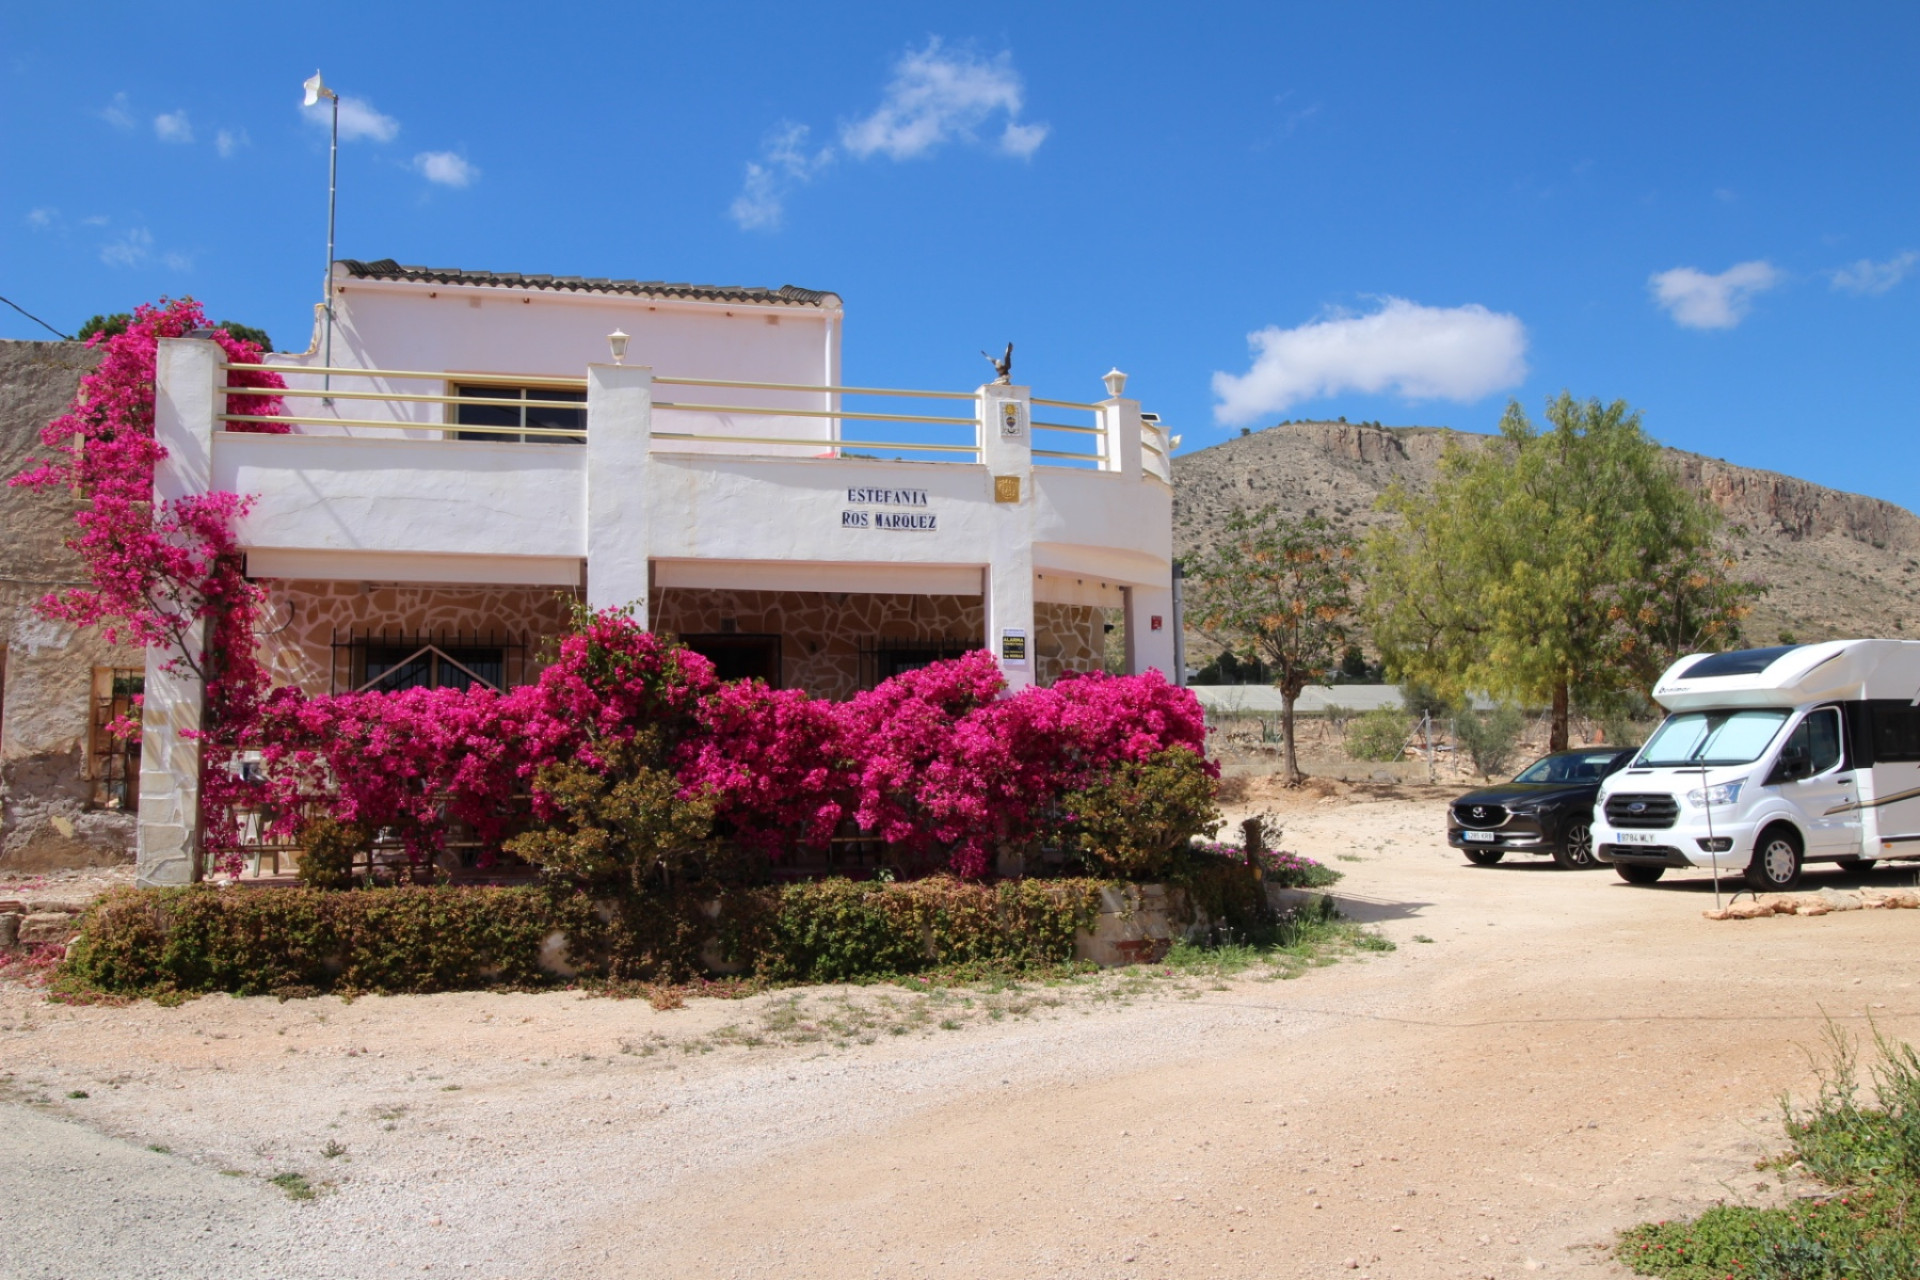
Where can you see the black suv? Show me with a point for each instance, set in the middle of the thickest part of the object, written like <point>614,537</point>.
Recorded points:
<point>1547,808</point>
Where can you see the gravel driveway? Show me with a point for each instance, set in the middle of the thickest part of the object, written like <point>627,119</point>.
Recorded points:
<point>1546,1057</point>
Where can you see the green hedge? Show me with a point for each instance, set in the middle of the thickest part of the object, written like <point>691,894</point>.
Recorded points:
<point>439,938</point>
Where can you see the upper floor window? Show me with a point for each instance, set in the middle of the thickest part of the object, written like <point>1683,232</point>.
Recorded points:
<point>520,422</point>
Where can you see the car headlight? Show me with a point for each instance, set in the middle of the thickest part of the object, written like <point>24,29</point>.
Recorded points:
<point>1533,810</point>
<point>1722,793</point>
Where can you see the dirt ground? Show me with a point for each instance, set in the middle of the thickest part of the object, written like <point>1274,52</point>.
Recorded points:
<point>1546,1057</point>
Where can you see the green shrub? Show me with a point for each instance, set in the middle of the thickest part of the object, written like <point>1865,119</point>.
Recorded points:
<point>328,849</point>
<point>1418,700</point>
<point>622,823</point>
<point>1381,734</point>
<point>418,939</point>
<point>1132,822</point>
<point>1489,739</point>
<point>1868,1230</point>
<point>262,941</point>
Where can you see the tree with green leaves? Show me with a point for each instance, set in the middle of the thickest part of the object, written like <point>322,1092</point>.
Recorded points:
<point>1550,565</point>
<point>1279,590</point>
<point>116,324</point>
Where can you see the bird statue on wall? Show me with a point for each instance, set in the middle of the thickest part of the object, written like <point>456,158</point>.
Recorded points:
<point>1002,366</point>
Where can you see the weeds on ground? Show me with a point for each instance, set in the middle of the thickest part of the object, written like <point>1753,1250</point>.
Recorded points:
<point>295,1185</point>
<point>1868,1154</point>
<point>1313,937</point>
<point>928,1003</point>
<point>32,966</point>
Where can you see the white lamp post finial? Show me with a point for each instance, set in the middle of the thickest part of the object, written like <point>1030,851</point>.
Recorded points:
<point>617,343</point>
<point>1116,382</point>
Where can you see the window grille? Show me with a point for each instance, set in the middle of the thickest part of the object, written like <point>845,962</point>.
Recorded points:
<point>883,657</point>
<point>113,760</point>
<point>386,662</point>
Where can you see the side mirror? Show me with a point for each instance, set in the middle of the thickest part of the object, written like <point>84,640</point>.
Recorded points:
<point>1793,766</point>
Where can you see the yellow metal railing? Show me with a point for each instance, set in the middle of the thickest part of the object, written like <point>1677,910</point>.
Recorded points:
<point>1096,455</point>
<point>413,397</point>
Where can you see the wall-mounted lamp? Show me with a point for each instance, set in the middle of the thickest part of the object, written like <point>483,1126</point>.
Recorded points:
<point>1116,382</point>
<point>617,343</point>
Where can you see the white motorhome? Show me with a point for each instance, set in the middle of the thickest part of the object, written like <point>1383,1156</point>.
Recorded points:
<point>1770,759</point>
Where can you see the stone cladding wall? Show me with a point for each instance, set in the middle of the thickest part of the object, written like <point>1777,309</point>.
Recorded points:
<point>821,632</point>
<point>305,618</point>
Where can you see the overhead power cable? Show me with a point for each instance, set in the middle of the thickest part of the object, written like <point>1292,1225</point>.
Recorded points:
<point>67,337</point>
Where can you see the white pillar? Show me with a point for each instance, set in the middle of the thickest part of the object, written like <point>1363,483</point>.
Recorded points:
<point>1006,447</point>
<point>619,452</point>
<point>186,373</point>
<point>1148,644</point>
<point>1120,419</point>
<point>172,710</point>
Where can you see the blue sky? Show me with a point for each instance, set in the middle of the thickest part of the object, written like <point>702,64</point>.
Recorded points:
<point>1395,212</point>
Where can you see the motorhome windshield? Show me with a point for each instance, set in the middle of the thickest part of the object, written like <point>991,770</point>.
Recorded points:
<point>1712,738</point>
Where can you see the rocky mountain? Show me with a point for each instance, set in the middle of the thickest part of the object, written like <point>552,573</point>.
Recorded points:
<point>1838,564</point>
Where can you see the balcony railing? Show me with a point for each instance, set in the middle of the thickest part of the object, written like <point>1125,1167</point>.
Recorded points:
<point>678,425</point>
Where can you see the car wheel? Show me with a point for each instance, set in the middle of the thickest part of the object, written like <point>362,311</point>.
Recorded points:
<point>1483,857</point>
<point>1575,850</point>
<point>1776,861</point>
<point>1640,874</point>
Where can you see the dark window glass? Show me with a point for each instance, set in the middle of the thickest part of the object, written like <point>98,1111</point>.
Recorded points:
<point>897,662</point>
<point>740,657</point>
<point>528,424</point>
<point>1823,739</point>
<point>1896,731</point>
<point>1741,662</point>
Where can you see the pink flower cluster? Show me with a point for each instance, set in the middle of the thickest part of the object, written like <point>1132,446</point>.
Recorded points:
<point>154,570</point>
<point>938,760</point>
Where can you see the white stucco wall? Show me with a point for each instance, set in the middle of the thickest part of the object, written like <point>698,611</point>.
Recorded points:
<point>535,334</point>
<point>450,497</point>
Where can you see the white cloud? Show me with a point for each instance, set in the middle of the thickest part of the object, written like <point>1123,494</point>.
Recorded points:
<point>131,248</point>
<point>228,141</point>
<point>1697,300</point>
<point>1022,139</point>
<point>785,161</point>
<point>358,119</point>
<point>1422,353</point>
<point>937,96</point>
<point>117,113</point>
<point>177,261</point>
<point>1868,276</point>
<point>445,168</point>
<point>173,126</point>
<point>41,219</point>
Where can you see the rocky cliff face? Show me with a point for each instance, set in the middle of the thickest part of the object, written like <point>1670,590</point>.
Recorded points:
<point>1838,564</point>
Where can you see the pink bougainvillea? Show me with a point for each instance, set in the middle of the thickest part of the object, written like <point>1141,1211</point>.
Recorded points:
<point>776,762</point>
<point>153,569</point>
<point>415,759</point>
<point>939,761</point>
<point>156,569</point>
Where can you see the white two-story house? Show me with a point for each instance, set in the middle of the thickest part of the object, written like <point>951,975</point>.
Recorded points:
<point>472,450</point>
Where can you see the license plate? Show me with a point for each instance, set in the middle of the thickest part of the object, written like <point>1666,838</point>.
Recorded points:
<point>1480,837</point>
<point>1636,837</point>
